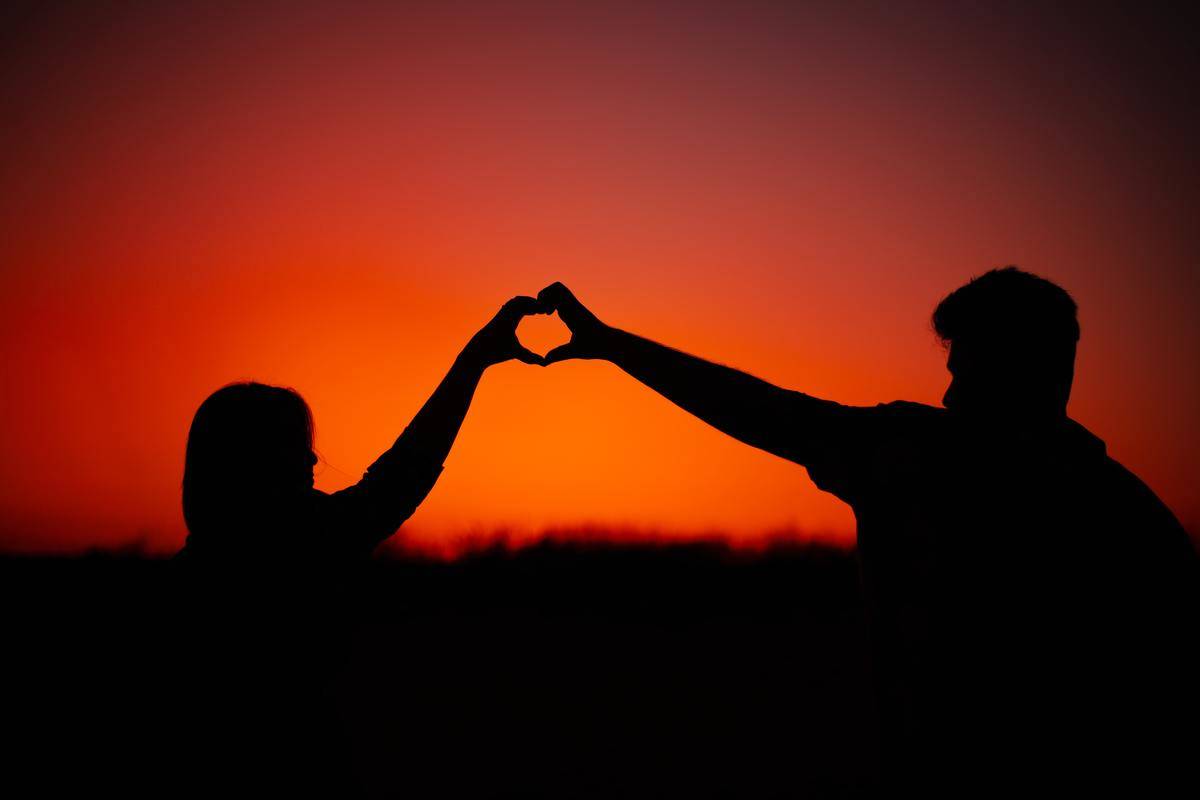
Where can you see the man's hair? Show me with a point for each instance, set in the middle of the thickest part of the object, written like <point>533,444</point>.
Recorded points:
<point>1010,305</point>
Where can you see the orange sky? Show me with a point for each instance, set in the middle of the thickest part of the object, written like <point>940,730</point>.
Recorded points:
<point>334,196</point>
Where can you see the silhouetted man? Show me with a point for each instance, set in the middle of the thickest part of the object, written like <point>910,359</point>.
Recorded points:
<point>1031,602</point>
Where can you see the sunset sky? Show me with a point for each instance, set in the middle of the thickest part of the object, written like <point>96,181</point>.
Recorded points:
<point>334,196</point>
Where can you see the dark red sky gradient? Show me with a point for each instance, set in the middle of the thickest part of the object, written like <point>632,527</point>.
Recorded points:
<point>334,195</point>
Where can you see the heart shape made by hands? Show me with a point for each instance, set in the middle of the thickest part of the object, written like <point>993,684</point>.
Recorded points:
<point>541,333</point>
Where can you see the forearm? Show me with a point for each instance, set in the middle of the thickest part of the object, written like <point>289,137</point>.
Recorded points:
<point>433,430</point>
<point>747,408</point>
<point>398,481</point>
<point>741,405</point>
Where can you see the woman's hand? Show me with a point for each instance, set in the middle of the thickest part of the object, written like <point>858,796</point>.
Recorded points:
<point>497,341</point>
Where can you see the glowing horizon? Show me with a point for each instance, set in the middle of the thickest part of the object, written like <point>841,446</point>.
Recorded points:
<point>335,197</point>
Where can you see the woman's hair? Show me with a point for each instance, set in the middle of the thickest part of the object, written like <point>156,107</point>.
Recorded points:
<point>249,446</point>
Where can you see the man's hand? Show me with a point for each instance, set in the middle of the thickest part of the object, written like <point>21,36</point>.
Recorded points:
<point>497,341</point>
<point>588,334</point>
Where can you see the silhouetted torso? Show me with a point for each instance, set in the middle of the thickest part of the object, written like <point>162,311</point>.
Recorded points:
<point>262,613</point>
<point>1032,603</point>
<point>310,529</point>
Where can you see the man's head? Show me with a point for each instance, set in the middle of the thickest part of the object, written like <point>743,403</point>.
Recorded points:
<point>1011,337</point>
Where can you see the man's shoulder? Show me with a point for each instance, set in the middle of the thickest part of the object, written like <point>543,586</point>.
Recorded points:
<point>1123,484</point>
<point>868,436</point>
<point>907,415</point>
<point>899,410</point>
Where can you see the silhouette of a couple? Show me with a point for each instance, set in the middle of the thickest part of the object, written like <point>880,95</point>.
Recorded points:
<point>1031,602</point>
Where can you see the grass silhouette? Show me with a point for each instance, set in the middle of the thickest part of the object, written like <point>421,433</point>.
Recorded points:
<point>564,669</point>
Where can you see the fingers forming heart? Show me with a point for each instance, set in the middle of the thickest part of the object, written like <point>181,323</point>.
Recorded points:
<point>541,333</point>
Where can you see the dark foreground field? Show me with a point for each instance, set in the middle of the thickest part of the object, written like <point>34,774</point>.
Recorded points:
<point>555,671</point>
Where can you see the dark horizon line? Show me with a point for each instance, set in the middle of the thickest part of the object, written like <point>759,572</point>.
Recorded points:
<point>509,541</point>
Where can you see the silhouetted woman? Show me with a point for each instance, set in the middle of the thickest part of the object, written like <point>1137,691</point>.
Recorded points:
<point>263,569</point>
<point>248,496</point>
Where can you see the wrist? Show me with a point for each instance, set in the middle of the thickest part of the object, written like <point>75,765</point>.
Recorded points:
<point>606,341</point>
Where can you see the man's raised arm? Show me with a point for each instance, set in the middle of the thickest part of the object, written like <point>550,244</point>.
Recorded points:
<point>786,423</point>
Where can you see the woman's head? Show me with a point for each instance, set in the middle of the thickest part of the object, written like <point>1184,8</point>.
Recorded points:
<point>249,456</point>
